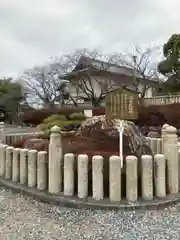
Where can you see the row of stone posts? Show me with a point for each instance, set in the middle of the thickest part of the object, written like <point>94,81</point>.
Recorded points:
<point>170,152</point>
<point>56,176</point>
<point>29,167</point>
<point>24,166</point>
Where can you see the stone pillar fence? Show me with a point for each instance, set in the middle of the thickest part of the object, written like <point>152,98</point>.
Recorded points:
<point>59,174</point>
<point>9,138</point>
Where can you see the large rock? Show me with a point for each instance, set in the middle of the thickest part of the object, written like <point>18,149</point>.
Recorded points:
<point>106,133</point>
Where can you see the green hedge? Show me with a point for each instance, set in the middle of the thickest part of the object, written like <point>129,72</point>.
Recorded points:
<point>55,117</point>
<point>77,116</point>
<point>60,121</point>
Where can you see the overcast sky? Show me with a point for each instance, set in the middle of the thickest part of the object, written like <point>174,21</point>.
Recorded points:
<point>31,31</point>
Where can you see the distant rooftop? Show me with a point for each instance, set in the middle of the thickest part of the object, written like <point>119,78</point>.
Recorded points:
<point>119,73</point>
<point>85,62</point>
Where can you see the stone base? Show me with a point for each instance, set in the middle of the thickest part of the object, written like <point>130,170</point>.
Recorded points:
<point>74,202</point>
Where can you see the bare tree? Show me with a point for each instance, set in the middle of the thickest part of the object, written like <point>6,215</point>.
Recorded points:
<point>143,64</point>
<point>42,85</point>
<point>90,74</point>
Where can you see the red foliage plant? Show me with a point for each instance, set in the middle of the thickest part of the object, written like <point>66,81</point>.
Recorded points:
<point>98,111</point>
<point>77,144</point>
<point>37,116</point>
<point>157,115</point>
<point>153,115</point>
<point>39,144</point>
<point>21,143</point>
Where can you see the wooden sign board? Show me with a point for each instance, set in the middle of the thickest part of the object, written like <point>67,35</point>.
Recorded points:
<point>121,104</point>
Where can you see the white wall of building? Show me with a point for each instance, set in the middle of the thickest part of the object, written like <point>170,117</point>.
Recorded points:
<point>97,85</point>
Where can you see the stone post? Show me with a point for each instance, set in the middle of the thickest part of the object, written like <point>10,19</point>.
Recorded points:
<point>23,165</point>
<point>115,178</point>
<point>2,160</point>
<point>170,138</point>
<point>171,133</point>
<point>160,175</point>
<point>97,176</point>
<point>69,174</point>
<point>163,135</point>
<point>147,177</point>
<point>2,134</point>
<point>178,145</point>
<point>172,168</point>
<point>8,166</point>
<point>154,145</point>
<point>179,167</point>
<point>32,168</point>
<point>55,161</point>
<point>131,178</point>
<point>83,176</point>
<point>42,170</point>
<point>16,165</point>
<point>171,155</point>
<point>159,145</point>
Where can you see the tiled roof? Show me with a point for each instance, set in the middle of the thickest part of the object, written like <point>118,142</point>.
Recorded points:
<point>119,74</point>
<point>102,65</point>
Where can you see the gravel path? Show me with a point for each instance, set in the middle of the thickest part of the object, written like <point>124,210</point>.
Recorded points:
<point>24,218</point>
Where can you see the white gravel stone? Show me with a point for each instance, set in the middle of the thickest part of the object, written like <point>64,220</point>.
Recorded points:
<point>24,218</point>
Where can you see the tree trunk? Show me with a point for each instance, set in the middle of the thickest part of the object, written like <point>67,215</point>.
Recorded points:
<point>141,101</point>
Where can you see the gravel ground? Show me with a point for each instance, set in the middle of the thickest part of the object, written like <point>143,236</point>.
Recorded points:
<point>24,218</point>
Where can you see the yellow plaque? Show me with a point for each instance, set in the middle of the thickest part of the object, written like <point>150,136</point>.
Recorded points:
<point>121,104</point>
